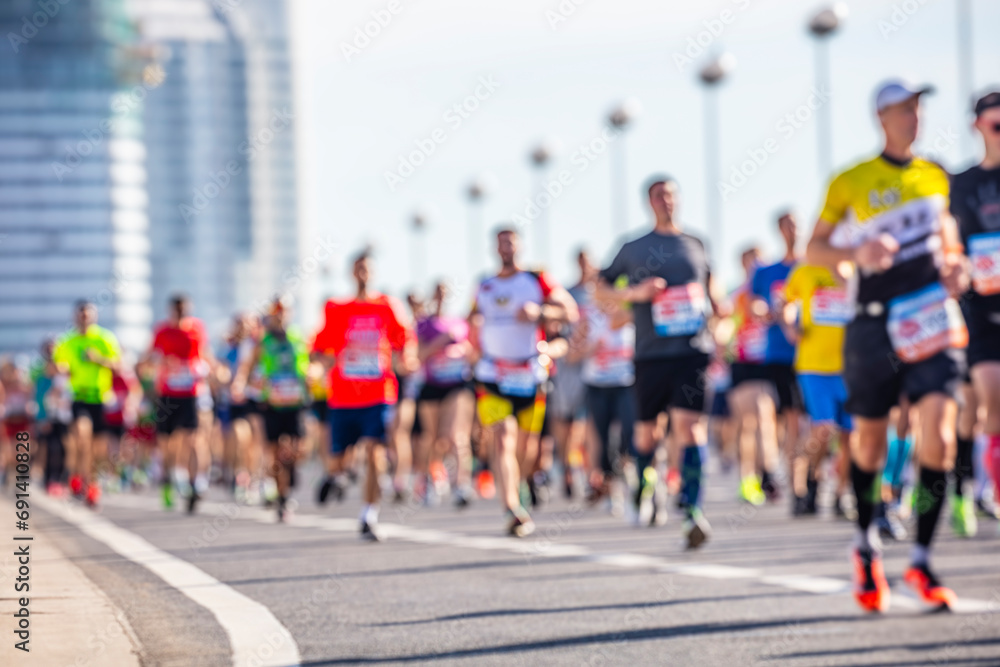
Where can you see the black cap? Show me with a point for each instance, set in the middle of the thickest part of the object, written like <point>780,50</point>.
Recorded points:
<point>987,101</point>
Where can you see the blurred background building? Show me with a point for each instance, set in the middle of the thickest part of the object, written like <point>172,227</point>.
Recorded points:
<point>73,203</point>
<point>146,147</point>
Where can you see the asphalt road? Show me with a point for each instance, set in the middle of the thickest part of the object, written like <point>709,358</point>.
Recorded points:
<point>447,587</point>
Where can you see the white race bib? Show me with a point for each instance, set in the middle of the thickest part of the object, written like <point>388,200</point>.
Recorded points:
<point>831,307</point>
<point>925,322</point>
<point>984,252</point>
<point>286,390</point>
<point>442,369</point>
<point>679,310</point>
<point>515,379</point>
<point>360,364</point>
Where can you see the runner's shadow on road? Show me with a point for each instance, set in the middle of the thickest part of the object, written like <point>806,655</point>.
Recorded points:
<point>927,646</point>
<point>567,610</point>
<point>647,634</point>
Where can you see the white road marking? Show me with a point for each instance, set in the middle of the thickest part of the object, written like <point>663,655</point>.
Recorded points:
<point>258,639</point>
<point>541,547</point>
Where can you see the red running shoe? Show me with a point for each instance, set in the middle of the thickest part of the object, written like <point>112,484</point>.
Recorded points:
<point>871,590</point>
<point>927,586</point>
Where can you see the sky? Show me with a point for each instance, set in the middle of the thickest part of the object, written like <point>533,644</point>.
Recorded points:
<point>524,72</point>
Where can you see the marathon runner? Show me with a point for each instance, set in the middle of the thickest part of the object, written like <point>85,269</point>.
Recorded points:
<point>670,289</point>
<point>284,361</point>
<point>506,329</point>
<point>975,203</point>
<point>53,417</point>
<point>446,405</point>
<point>567,406</point>
<point>749,395</point>
<point>889,216</point>
<point>359,338</point>
<point>768,287</point>
<point>606,336</point>
<point>817,309</point>
<point>89,354</point>
<point>182,358</point>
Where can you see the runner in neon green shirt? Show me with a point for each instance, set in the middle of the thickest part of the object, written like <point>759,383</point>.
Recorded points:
<point>89,354</point>
<point>283,362</point>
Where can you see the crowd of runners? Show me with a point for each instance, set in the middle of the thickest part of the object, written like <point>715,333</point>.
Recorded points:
<point>866,368</point>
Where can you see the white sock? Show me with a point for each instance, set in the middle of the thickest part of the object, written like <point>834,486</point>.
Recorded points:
<point>369,514</point>
<point>181,477</point>
<point>201,483</point>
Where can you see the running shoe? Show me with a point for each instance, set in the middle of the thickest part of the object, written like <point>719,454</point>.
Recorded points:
<point>282,512</point>
<point>890,525</point>
<point>926,585</point>
<point>168,496</point>
<point>871,589</point>
<point>750,491</point>
<point>644,498</point>
<point>192,503</point>
<point>462,498</point>
<point>519,523</point>
<point>596,494</point>
<point>370,532</point>
<point>324,490</point>
<point>770,489</point>
<point>55,489</point>
<point>696,529</point>
<point>76,485</point>
<point>485,486</point>
<point>986,509</point>
<point>93,495</point>
<point>963,516</point>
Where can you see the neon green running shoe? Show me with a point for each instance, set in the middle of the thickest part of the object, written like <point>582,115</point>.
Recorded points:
<point>963,516</point>
<point>750,491</point>
<point>168,496</point>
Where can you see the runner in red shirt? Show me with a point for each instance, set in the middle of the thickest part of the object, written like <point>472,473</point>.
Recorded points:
<point>182,356</point>
<point>358,340</point>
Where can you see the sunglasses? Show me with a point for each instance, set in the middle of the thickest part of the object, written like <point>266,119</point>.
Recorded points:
<point>995,128</point>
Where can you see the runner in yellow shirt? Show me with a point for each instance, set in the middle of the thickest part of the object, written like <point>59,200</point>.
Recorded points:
<point>817,309</point>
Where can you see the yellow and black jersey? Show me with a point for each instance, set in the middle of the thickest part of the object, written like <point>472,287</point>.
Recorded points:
<point>883,196</point>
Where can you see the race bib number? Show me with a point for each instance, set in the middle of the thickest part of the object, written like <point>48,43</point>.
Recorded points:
<point>753,343</point>
<point>179,378</point>
<point>516,379</point>
<point>286,390</point>
<point>361,364</point>
<point>612,365</point>
<point>984,253</point>
<point>830,307</point>
<point>679,310</point>
<point>925,322</point>
<point>446,370</point>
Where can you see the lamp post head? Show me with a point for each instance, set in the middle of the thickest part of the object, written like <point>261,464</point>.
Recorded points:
<point>544,152</point>
<point>717,70</point>
<point>827,20</point>
<point>481,186</point>
<point>625,113</point>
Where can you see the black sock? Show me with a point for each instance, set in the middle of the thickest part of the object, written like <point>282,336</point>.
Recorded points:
<point>963,464</point>
<point>930,498</point>
<point>864,491</point>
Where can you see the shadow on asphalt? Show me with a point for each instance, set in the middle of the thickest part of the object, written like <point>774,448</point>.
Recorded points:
<point>601,638</point>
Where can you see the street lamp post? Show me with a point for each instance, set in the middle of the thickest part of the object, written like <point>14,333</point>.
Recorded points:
<point>418,249</point>
<point>711,76</point>
<point>965,67</point>
<point>541,157</point>
<point>823,25</point>
<point>476,193</point>
<point>620,119</point>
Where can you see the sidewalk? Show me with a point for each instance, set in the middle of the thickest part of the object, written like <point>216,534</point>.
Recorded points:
<point>73,624</point>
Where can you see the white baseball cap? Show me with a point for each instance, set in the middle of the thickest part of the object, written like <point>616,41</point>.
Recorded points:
<point>895,91</point>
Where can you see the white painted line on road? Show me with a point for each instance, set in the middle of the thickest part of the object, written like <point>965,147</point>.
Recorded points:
<point>258,639</point>
<point>541,547</point>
